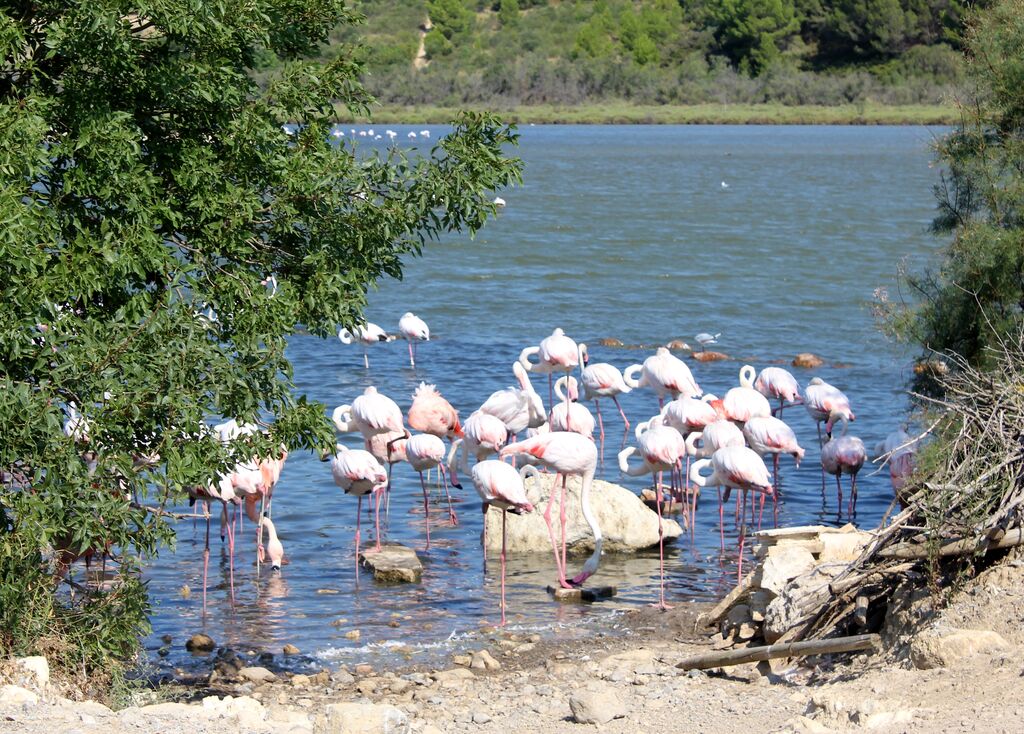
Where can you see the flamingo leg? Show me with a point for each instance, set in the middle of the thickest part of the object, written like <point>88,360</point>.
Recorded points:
<point>661,553</point>
<point>484,507</point>
<point>259,533</point>
<point>359,514</point>
<point>600,426</point>
<point>721,519</point>
<point>853,494</point>
<point>412,358</point>
<point>426,509</point>
<point>451,510</point>
<point>366,359</point>
<point>206,556</point>
<point>564,520</point>
<point>504,513</point>
<point>625,420</point>
<point>743,536</point>
<point>551,530</point>
<point>839,489</point>
<point>376,516</point>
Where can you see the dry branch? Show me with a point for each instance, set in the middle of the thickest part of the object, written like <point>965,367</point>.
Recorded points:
<point>786,650</point>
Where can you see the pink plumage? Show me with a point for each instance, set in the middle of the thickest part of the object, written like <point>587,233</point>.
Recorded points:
<point>431,413</point>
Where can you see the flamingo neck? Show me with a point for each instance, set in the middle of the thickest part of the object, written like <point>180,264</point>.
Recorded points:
<point>588,515</point>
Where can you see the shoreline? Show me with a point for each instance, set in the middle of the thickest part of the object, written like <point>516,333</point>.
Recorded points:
<point>701,114</point>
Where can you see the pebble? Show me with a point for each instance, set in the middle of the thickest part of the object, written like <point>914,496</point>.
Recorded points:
<point>300,680</point>
<point>479,717</point>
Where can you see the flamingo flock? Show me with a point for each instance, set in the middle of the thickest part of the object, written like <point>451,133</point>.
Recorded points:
<point>697,438</point>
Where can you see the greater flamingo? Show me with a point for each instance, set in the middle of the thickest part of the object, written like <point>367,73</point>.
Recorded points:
<point>604,380</point>
<point>431,413</point>
<point>714,436</point>
<point>843,455</point>
<point>556,353</point>
<point>357,472</point>
<point>744,402</point>
<point>899,450</point>
<point>413,329</point>
<point>661,448</point>
<point>518,408</point>
<point>733,467</point>
<point>366,334</point>
<point>424,452</point>
<point>566,453</point>
<point>483,435</point>
<point>499,485</point>
<point>822,399</point>
<point>568,414</point>
<point>664,373</point>
<point>776,383</point>
<point>274,549</point>
<point>370,413</point>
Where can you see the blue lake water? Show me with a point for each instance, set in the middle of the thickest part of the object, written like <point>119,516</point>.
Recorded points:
<point>624,232</point>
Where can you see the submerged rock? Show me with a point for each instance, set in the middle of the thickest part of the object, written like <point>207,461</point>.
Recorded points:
<point>392,564</point>
<point>609,341</point>
<point>626,523</point>
<point>200,643</point>
<point>807,360</point>
<point>708,356</point>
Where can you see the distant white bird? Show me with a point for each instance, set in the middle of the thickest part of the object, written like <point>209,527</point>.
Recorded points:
<point>362,133</point>
<point>704,339</point>
<point>498,201</point>
<point>725,185</point>
<point>337,133</point>
<point>412,135</point>
<point>425,133</point>
<point>391,134</point>
<point>370,132</point>
<point>366,334</point>
<point>413,328</point>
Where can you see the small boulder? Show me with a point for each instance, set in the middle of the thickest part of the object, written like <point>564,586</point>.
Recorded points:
<point>678,345</point>
<point>941,647</point>
<point>807,360</point>
<point>393,564</point>
<point>37,668</point>
<point>783,564</point>
<point>17,696</point>
<point>609,341</point>
<point>256,674</point>
<point>200,643</point>
<point>592,707</point>
<point>290,649</point>
<point>300,680</point>
<point>363,718</point>
<point>708,356</point>
<point>483,660</point>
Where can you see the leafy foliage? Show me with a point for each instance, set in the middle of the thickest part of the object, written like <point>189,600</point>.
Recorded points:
<point>975,298</point>
<point>147,193</point>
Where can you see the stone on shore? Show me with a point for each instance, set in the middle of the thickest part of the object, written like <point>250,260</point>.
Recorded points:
<point>393,564</point>
<point>363,718</point>
<point>256,674</point>
<point>37,669</point>
<point>626,523</point>
<point>591,707</point>
<point>941,647</point>
<point>17,696</point>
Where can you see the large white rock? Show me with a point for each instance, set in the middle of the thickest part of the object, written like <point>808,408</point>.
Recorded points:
<point>37,668</point>
<point>17,696</point>
<point>783,564</point>
<point>362,718</point>
<point>627,524</point>
<point>941,647</point>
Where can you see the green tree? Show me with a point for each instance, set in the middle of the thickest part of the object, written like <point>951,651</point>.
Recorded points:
<point>450,17</point>
<point>752,32</point>
<point>147,193</point>
<point>508,13</point>
<point>975,296</point>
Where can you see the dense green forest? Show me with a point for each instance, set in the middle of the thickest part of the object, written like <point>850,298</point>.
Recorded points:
<point>576,52</point>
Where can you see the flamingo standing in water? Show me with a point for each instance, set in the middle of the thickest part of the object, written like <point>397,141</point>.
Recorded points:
<point>431,413</point>
<point>733,467</point>
<point>843,455</point>
<point>557,353</point>
<point>274,550</point>
<point>423,452</point>
<point>776,383</point>
<point>518,408</point>
<point>822,399</point>
<point>357,472</point>
<point>713,437</point>
<point>500,485</point>
<point>566,453</point>
<point>661,447</point>
<point>604,380</point>
<point>769,435</point>
<point>413,329</point>
<point>664,373</point>
<point>568,414</point>
<point>899,449</point>
<point>483,435</point>
<point>366,334</point>
<point>744,402</point>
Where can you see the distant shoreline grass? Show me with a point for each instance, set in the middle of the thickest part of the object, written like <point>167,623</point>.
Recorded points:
<point>702,114</point>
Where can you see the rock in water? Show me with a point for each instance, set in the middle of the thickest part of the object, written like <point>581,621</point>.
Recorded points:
<point>589,707</point>
<point>710,356</point>
<point>626,523</point>
<point>290,649</point>
<point>807,360</point>
<point>200,643</point>
<point>609,341</point>
<point>393,564</point>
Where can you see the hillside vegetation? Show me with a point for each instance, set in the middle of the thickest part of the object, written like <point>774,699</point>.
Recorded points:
<point>511,53</point>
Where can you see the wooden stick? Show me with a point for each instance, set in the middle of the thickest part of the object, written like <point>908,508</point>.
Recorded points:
<point>915,551</point>
<point>791,650</point>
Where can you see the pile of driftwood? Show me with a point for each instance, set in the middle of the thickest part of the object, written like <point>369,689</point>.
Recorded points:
<point>963,504</point>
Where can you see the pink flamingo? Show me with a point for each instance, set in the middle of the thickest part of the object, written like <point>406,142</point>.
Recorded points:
<point>664,373</point>
<point>484,435</point>
<point>557,353</point>
<point>843,455</point>
<point>733,467</point>
<point>431,413</point>
<point>769,435</point>
<point>366,334</point>
<point>274,549</point>
<point>413,329</point>
<point>568,414</point>
<point>499,485</point>
<point>777,383</point>
<point>687,414</point>
<point>566,453</point>
<point>713,437</point>
<point>822,399</point>
<point>223,491</point>
<point>357,472</point>
<point>744,402</point>
<point>661,447</point>
<point>424,452</point>
<point>899,450</point>
<point>604,380</point>
<point>518,408</point>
